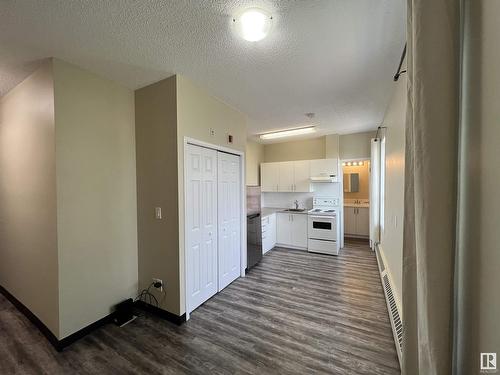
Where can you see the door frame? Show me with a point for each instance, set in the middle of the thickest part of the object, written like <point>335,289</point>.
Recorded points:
<point>243,229</point>
<point>341,166</point>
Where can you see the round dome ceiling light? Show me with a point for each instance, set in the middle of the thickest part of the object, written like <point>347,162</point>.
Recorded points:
<point>253,24</point>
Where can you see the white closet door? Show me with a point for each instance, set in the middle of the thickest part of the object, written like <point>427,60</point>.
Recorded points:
<point>201,224</point>
<point>229,219</point>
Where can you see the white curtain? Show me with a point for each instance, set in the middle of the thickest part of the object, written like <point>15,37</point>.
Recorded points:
<point>433,64</point>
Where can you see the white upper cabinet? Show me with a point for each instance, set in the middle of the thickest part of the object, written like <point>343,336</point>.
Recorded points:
<point>286,177</point>
<point>302,176</point>
<point>325,168</point>
<point>269,177</point>
<point>289,176</point>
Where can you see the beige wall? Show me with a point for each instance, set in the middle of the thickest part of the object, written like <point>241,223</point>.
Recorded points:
<point>156,144</point>
<point>197,112</point>
<point>96,196</point>
<point>166,113</point>
<point>332,146</point>
<point>356,146</point>
<point>254,156</point>
<point>307,149</point>
<point>346,146</point>
<point>392,229</point>
<point>28,226</point>
<point>479,213</point>
<point>364,180</point>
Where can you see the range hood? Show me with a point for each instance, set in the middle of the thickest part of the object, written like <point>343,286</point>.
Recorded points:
<point>324,178</point>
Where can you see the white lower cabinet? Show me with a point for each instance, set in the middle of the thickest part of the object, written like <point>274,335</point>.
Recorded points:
<point>291,230</point>
<point>357,221</point>
<point>268,233</point>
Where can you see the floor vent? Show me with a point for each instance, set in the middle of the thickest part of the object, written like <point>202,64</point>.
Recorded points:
<point>394,313</point>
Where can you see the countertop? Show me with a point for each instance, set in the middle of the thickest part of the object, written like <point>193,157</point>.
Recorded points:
<point>266,211</point>
<point>359,205</point>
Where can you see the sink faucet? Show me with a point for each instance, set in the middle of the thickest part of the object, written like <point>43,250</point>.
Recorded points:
<point>296,204</point>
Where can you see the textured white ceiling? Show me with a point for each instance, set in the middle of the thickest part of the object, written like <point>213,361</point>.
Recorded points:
<point>332,57</point>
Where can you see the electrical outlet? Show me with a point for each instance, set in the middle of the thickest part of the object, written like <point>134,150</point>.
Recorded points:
<point>159,281</point>
<point>212,132</point>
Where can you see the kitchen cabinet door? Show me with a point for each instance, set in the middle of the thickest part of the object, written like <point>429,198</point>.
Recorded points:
<point>349,220</point>
<point>299,230</point>
<point>283,229</point>
<point>272,231</point>
<point>269,179</point>
<point>286,176</point>
<point>363,221</point>
<point>268,233</point>
<point>324,167</point>
<point>302,175</point>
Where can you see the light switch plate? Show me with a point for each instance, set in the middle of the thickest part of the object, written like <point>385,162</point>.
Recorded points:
<point>158,213</point>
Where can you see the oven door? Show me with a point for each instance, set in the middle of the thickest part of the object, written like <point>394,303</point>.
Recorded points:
<point>322,227</point>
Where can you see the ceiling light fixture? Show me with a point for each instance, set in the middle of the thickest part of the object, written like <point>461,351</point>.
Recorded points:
<point>253,24</point>
<point>288,133</point>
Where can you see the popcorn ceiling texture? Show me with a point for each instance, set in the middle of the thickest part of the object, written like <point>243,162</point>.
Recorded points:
<point>332,57</point>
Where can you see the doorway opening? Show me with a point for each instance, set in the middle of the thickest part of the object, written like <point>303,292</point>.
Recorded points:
<point>356,194</point>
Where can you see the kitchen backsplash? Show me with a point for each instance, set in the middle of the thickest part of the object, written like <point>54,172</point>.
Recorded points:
<point>253,199</point>
<point>286,200</point>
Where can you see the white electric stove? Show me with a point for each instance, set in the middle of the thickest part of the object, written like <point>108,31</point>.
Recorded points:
<point>323,226</point>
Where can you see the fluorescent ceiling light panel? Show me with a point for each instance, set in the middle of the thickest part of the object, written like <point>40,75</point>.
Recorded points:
<point>253,24</point>
<point>288,133</point>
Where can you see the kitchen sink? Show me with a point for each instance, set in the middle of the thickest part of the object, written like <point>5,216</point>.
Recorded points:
<point>295,210</point>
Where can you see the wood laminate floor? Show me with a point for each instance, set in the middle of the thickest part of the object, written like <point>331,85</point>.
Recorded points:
<point>294,313</point>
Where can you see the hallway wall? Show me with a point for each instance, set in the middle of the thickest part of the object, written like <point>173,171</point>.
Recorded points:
<point>391,245</point>
<point>28,216</point>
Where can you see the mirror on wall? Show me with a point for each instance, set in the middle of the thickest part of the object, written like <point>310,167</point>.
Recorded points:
<point>351,182</point>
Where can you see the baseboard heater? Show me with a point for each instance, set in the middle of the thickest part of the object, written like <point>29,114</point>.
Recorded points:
<point>392,306</point>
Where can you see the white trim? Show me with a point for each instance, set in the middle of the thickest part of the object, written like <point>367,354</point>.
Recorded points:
<point>341,178</point>
<point>291,246</point>
<point>243,228</point>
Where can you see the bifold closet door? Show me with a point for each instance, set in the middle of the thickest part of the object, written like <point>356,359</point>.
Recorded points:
<point>229,218</point>
<point>201,224</point>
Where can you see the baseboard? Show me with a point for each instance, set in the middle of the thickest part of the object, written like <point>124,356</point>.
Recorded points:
<point>356,238</point>
<point>161,313</point>
<point>290,247</point>
<point>31,317</point>
<point>68,340</point>
<point>59,345</point>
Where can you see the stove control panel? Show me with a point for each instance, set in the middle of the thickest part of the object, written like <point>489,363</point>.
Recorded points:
<point>325,202</point>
